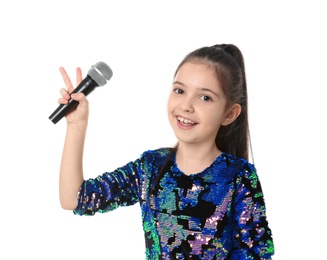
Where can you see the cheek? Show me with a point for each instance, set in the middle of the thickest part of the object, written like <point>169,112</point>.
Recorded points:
<point>170,110</point>
<point>214,115</point>
<point>170,104</point>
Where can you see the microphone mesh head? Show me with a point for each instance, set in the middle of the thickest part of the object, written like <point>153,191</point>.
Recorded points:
<point>100,73</point>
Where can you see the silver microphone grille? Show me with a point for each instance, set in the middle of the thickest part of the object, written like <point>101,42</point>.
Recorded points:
<point>100,73</point>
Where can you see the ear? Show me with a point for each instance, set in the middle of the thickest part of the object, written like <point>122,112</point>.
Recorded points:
<point>231,114</point>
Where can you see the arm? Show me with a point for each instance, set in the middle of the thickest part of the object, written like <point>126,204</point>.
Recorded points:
<point>110,190</point>
<point>71,169</point>
<point>252,236</point>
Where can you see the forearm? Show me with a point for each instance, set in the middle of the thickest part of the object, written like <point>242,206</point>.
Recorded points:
<point>71,169</point>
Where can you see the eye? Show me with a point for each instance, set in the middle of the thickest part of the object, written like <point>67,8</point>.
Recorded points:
<point>178,91</point>
<point>206,98</point>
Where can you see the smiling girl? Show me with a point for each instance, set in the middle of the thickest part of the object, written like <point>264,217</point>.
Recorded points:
<point>201,199</point>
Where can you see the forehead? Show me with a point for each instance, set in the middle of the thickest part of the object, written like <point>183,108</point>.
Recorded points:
<point>198,75</point>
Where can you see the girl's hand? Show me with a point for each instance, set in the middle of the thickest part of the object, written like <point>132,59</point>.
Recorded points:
<point>78,116</point>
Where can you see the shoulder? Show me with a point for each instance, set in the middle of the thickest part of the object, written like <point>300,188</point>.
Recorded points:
<point>157,156</point>
<point>160,152</point>
<point>151,161</point>
<point>245,173</point>
<point>235,162</point>
<point>236,166</point>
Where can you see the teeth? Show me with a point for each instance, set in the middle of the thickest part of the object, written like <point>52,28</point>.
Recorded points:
<point>185,121</point>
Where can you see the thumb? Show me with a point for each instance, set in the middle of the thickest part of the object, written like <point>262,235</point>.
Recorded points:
<point>78,96</point>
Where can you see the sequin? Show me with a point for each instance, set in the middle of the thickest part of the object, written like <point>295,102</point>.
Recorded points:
<point>216,214</point>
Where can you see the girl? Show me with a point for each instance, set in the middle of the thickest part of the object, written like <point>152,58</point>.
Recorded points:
<point>201,199</point>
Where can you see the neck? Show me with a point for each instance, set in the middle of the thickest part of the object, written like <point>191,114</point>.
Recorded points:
<point>192,158</point>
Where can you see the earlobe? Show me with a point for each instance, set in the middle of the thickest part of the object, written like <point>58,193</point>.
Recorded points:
<point>231,114</point>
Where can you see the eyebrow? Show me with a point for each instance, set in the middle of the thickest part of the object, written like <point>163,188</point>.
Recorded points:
<point>204,89</point>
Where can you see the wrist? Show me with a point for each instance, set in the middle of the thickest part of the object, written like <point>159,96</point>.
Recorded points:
<point>77,125</point>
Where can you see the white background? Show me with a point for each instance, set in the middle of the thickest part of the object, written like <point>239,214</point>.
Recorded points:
<point>284,47</point>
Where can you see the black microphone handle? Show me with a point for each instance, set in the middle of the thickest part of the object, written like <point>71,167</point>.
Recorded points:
<point>86,87</point>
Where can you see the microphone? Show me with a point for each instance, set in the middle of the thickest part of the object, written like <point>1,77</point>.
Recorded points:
<point>98,75</point>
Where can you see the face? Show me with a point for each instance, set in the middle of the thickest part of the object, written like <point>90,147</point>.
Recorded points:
<point>196,105</point>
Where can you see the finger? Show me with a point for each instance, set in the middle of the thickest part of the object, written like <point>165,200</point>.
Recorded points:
<point>81,98</point>
<point>64,93</point>
<point>66,79</point>
<point>78,75</point>
<point>62,101</point>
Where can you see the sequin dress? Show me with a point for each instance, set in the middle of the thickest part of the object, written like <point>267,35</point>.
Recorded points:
<point>218,213</point>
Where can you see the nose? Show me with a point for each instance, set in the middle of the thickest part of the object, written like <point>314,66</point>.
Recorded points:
<point>187,105</point>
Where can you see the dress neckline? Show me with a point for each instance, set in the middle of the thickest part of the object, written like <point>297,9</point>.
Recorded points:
<point>176,169</point>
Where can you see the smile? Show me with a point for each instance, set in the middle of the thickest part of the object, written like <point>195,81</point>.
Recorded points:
<point>185,121</point>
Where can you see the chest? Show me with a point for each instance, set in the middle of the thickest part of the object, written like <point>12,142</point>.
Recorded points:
<point>195,196</point>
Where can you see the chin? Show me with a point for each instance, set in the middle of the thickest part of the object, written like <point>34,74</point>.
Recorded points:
<point>185,139</point>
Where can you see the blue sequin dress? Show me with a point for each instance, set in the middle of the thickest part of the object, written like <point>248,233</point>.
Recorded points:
<point>218,213</point>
